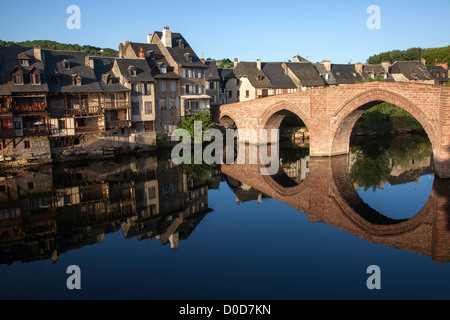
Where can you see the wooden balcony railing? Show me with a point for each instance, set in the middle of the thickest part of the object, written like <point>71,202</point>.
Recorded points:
<point>116,105</point>
<point>113,124</point>
<point>38,132</point>
<point>84,111</point>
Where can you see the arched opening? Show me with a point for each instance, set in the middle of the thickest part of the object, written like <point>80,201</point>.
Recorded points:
<point>390,156</point>
<point>293,148</point>
<point>226,122</point>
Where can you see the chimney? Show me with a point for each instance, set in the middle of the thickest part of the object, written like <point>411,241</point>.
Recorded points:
<point>236,61</point>
<point>386,66</point>
<point>424,62</point>
<point>120,50</point>
<point>167,37</point>
<point>37,53</point>
<point>258,64</point>
<point>444,65</point>
<point>141,53</point>
<point>327,65</point>
<point>149,38</point>
<point>202,60</point>
<point>359,67</point>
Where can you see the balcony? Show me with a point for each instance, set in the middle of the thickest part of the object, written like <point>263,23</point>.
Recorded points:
<point>84,111</point>
<point>116,105</point>
<point>38,132</point>
<point>30,109</point>
<point>6,133</point>
<point>116,124</point>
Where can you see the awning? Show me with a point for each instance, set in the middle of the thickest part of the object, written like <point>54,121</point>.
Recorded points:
<point>196,97</point>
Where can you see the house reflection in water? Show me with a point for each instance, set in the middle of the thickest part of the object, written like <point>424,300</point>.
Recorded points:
<point>57,209</point>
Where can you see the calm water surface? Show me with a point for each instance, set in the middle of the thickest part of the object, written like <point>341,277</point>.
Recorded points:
<point>142,228</point>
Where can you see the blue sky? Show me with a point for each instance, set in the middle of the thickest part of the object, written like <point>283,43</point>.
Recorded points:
<point>248,30</point>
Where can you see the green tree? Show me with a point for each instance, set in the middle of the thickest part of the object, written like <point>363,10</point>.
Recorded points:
<point>202,116</point>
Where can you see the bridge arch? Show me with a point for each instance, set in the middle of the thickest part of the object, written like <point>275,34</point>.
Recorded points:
<point>272,117</point>
<point>344,120</point>
<point>362,215</point>
<point>227,121</point>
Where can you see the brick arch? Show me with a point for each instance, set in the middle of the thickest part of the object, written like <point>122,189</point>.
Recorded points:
<point>364,217</point>
<point>283,191</point>
<point>224,117</point>
<point>344,119</point>
<point>273,115</point>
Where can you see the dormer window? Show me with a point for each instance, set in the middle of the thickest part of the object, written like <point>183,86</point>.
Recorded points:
<point>76,80</point>
<point>188,57</point>
<point>133,71</point>
<point>163,68</point>
<point>259,77</point>
<point>181,44</point>
<point>24,62</point>
<point>17,78</point>
<point>151,54</point>
<point>415,76</point>
<point>35,77</point>
<point>107,79</point>
<point>66,64</point>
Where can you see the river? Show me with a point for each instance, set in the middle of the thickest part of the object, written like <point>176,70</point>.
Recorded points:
<point>144,228</point>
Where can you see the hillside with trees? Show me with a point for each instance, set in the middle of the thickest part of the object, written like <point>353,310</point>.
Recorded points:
<point>431,55</point>
<point>53,45</point>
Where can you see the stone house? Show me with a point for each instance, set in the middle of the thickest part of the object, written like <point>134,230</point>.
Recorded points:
<point>24,113</point>
<point>411,71</point>
<point>213,87</point>
<point>187,65</point>
<point>167,89</point>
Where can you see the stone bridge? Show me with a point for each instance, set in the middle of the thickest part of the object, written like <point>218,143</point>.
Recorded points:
<point>328,195</point>
<point>330,114</point>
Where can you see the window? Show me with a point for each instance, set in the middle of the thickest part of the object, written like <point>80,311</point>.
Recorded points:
<point>148,107</point>
<point>161,103</point>
<point>152,193</point>
<point>18,78</point>
<point>66,64</point>
<point>247,93</point>
<point>135,108</point>
<point>238,82</point>
<point>195,73</point>
<point>163,69</point>
<point>30,185</point>
<point>27,144</point>
<point>76,80</point>
<point>212,85</point>
<point>173,86</point>
<point>163,85</point>
<point>62,124</point>
<point>35,78</point>
<point>24,62</point>
<point>17,125</point>
<point>187,89</point>
<point>186,73</point>
<point>213,99</point>
<point>230,94</point>
<point>168,101</point>
<point>238,94</point>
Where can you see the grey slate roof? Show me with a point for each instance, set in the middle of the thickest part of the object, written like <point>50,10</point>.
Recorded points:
<point>306,73</point>
<point>346,74</point>
<point>277,75</point>
<point>212,73</point>
<point>54,65</point>
<point>331,81</point>
<point>102,67</point>
<point>443,74</point>
<point>178,54</point>
<point>412,70</point>
<point>251,71</point>
<point>376,69</point>
<point>154,58</point>
<point>9,62</point>
<point>143,72</point>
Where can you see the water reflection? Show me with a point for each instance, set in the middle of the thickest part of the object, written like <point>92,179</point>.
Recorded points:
<point>50,211</point>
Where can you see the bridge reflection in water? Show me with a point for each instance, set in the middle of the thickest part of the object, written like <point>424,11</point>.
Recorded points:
<point>328,195</point>
<point>46,213</point>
